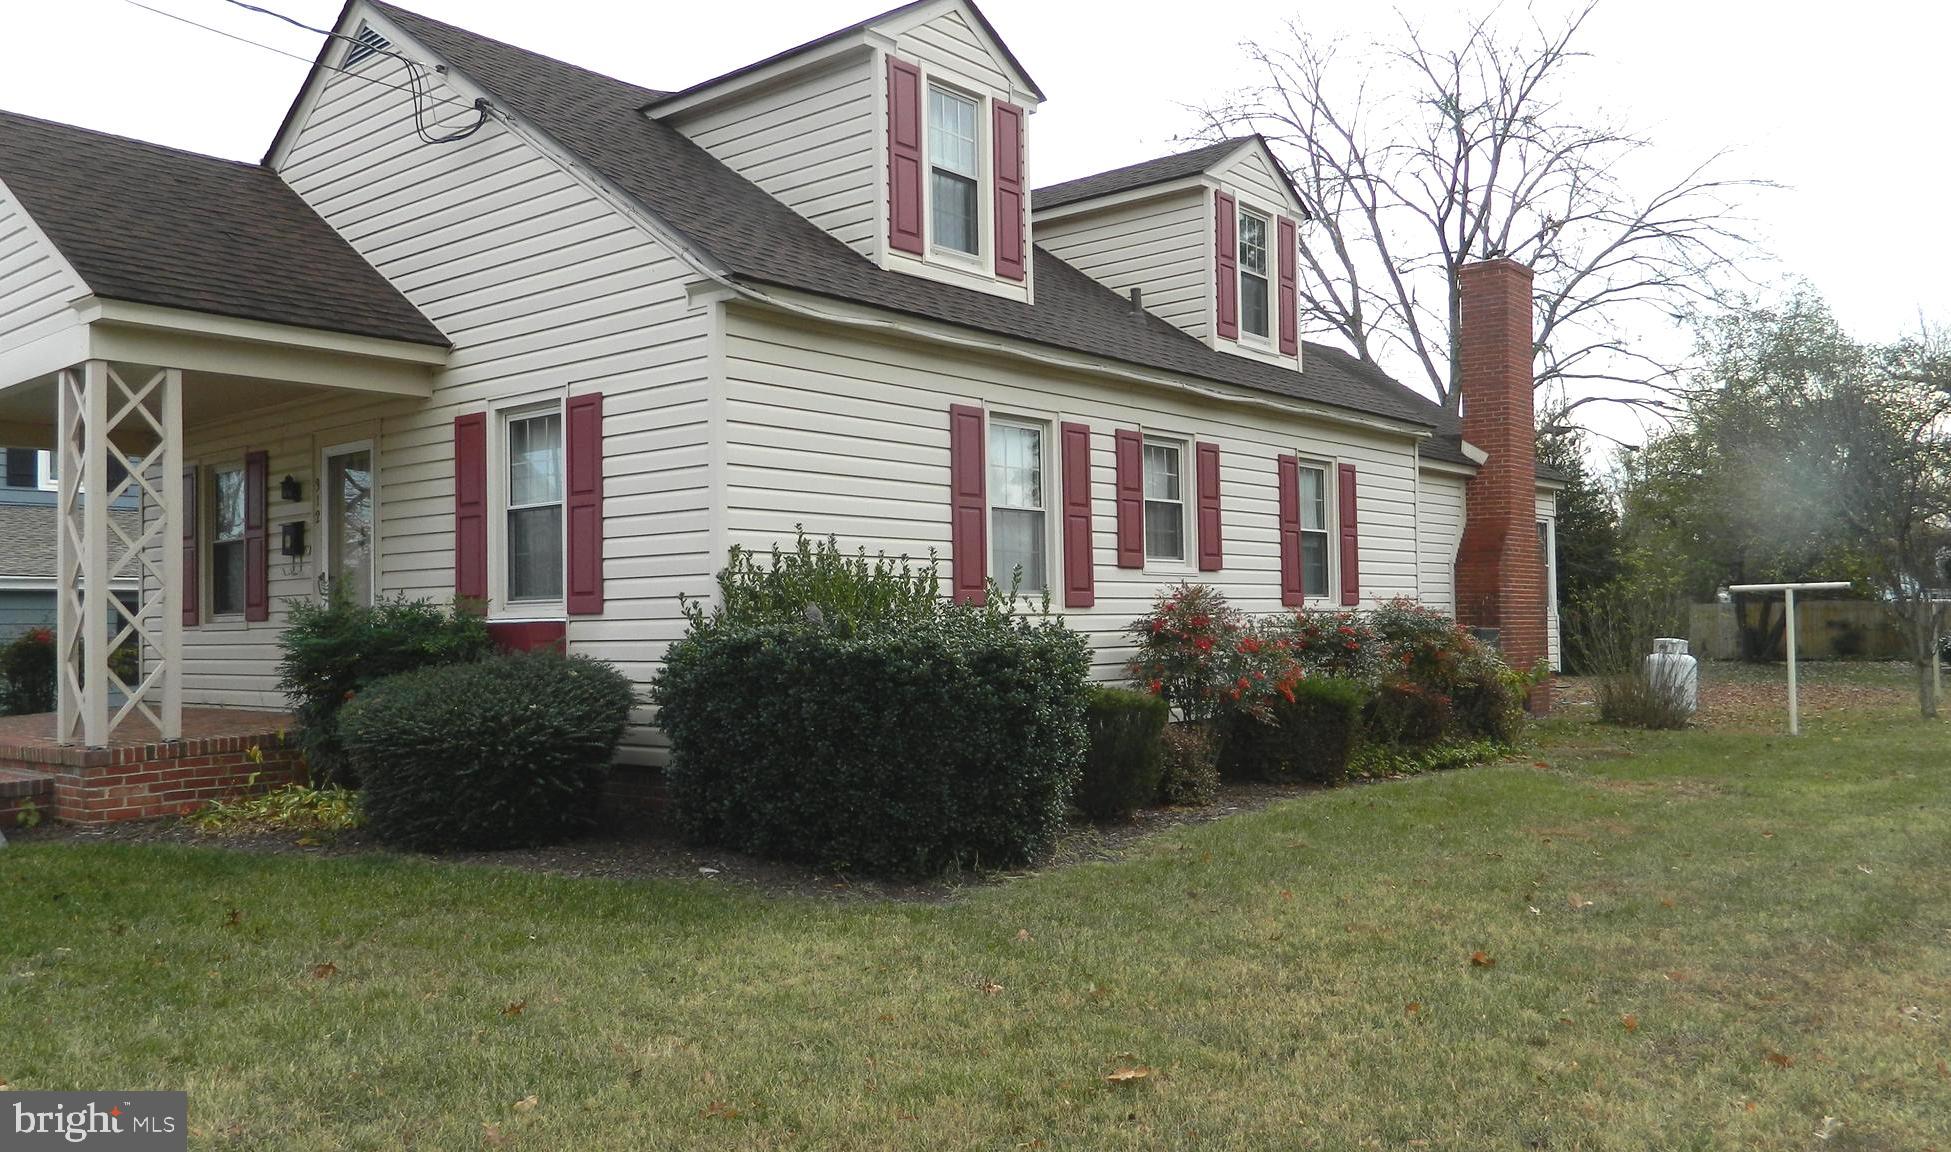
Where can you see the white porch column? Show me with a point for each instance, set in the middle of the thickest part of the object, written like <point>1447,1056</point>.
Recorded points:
<point>175,500</point>
<point>99,413</point>
<point>81,555</point>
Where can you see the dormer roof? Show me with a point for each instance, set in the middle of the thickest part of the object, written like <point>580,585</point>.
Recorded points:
<point>860,34</point>
<point>1209,158</point>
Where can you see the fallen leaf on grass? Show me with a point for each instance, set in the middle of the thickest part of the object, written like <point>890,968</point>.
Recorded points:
<point>1411,1008</point>
<point>1127,1075</point>
<point>1023,934</point>
<point>1778,1059</point>
<point>990,987</point>
<point>720,1110</point>
<point>1750,1105</point>
<point>491,1135</point>
<point>1666,902</point>
<point>515,1008</point>
<point>527,1103</point>
<point>1631,1021</point>
<point>233,918</point>
<point>1482,960</point>
<point>1287,895</point>
<point>321,971</point>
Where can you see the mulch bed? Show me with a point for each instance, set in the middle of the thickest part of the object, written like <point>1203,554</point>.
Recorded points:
<point>649,848</point>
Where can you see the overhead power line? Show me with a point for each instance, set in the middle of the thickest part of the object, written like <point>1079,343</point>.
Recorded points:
<point>417,86</point>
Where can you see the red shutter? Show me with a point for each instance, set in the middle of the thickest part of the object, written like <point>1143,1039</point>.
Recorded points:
<point>1351,569</point>
<point>1212,555</point>
<point>192,591</point>
<point>903,156</point>
<point>1080,576</point>
<point>583,444</point>
<point>1009,190</point>
<point>1226,253</point>
<point>471,506</point>
<point>1290,315</point>
<point>1131,498</point>
<point>968,505</point>
<point>257,541</point>
<point>1291,592</point>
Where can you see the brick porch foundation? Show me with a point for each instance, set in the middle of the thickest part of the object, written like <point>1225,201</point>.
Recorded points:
<point>136,776</point>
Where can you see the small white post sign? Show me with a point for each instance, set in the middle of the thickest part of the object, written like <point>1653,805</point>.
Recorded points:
<point>1788,592</point>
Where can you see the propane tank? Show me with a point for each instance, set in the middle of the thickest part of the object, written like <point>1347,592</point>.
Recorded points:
<point>1674,673</point>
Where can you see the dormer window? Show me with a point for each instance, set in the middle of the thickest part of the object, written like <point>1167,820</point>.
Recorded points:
<point>954,172</point>
<point>1253,274</point>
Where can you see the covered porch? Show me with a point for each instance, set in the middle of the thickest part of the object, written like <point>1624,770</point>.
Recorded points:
<point>113,398</point>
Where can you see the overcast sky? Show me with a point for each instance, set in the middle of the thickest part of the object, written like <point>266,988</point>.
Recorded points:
<point>1839,105</point>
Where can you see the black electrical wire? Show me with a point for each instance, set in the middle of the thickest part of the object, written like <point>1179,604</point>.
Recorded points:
<point>416,72</point>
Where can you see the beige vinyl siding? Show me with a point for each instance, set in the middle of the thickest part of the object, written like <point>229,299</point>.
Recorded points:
<point>947,43</point>
<point>1159,245</point>
<point>36,283</point>
<point>1250,178</point>
<point>812,144</point>
<point>848,436</point>
<point>545,291</point>
<point>1547,504</point>
<point>1440,534</point>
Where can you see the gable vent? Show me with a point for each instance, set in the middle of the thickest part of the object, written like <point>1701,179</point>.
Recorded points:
<point>367,45</point>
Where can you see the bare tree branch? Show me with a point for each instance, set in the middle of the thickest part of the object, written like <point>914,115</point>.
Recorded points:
<point>1471,152</point>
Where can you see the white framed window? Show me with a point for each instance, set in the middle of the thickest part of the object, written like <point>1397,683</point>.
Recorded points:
<point>954,171</point>
<point>226,521</point>
<point>533,482</point>
<point>1315,536</point>
<point>1253,274</point>
<point>49,480</point>
<point>1019,534</point>
<point>1165,508</point>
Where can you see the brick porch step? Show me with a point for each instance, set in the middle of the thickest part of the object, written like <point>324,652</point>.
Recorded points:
<point>21,788</point>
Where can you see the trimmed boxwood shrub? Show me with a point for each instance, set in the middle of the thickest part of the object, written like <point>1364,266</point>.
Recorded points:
<point>951,740</point>
<point>1189,769</point>
<point>1488,706</point>
<point>1311,738</point>
<point>836,709</point>
<point>1125,758</point>
<point>1408,714</point>
<point>334,649</point>
<point>505,752</point>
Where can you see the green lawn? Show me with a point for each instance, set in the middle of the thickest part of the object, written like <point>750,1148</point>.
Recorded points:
<point>1698,940</point>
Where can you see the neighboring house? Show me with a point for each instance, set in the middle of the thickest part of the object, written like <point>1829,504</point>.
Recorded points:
<point>27,528</point>
<point>558,342</point>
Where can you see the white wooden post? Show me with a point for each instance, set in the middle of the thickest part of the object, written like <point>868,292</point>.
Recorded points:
<point>175,501</point>
<point>69,544</point>
<point>1788,591</point>
<point>1794,705</point>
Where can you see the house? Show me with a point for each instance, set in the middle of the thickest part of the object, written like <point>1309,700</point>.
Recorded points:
<point>486,323</point>
<point>27,539</point>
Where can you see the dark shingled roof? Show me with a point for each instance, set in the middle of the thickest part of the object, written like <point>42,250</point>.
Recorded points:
<point>731,221</point>
<point>28,535</point>
<point>1144,174</point>
<point>841,34</point>
<point>155,225</point>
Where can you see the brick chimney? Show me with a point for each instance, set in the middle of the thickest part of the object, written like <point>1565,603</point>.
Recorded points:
<point>1500,573</point>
